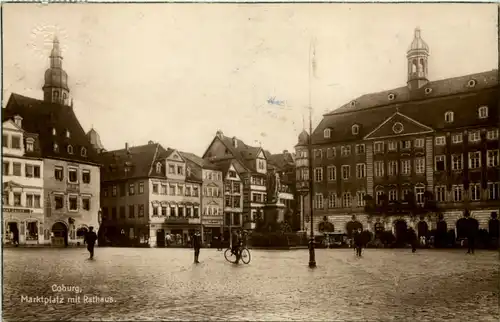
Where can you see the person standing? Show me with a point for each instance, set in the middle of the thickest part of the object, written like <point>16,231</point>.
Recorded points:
<point>358,242</point>
<point>412,238</point>
<point>90,239</point>
<point>472,233</point>
<point>196,246</point>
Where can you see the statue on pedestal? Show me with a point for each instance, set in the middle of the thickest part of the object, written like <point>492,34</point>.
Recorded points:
<point>273,187</point>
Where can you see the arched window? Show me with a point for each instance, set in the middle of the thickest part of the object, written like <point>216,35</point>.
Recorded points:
<point>414,66</point>
<point>422,65</point>
<point>327,133</point>
<point>68,135</point>
<point>84,152</point>
<point>65,96</point>
<point>483,112</point>
<point>70,149</point>
<point>56,147</point>
<point>158,167</point>
<point>419,193</point>
<point>448,117</point>
<point>55,95</point>
<point>54,132</point>
<point>355,129</point>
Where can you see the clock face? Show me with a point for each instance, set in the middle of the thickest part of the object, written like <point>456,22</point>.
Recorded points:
<point>397,127</point>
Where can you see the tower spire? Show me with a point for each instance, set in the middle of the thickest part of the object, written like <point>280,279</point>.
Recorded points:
<point>55,88</point>
<point>417,55</point>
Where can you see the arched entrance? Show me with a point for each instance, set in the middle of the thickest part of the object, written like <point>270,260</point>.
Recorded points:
<point>13,232</point>
<point>441,238</point>
<point>462,228</point>
<point>400,229</point>
<point>59,234</point>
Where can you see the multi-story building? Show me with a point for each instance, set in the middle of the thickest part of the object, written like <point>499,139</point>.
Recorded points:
<point>253,172</point>
<point>22,202</point>
<point>426,140</point>
<point>71,172</point>
<point>212,199</point>
<point>154,191</point>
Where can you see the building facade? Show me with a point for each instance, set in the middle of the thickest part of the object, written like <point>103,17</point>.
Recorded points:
<point>70,170</point>
<point>428,141</point>
<point>22,202</point>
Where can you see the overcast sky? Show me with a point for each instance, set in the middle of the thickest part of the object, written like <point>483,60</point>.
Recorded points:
<point>176,73</point>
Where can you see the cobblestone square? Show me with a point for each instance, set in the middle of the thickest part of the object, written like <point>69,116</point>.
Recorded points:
<point>164,284</point>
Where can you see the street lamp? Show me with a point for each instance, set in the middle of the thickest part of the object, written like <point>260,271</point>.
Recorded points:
<point>312,255</point>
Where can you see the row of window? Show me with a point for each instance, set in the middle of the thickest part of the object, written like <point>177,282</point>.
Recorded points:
<point>14,142</point>
<point>379,167</point>
<point>30,170</point>
<point>232,219</point>
<point>72,202</point>
<point>112,212</point>
<point>213,175</point>
<point>172,169</point>
<point>441,195</point>
<point>72,174</point>
<point>234,202</point>
<point>331,153</point>
<point>259,197</point>
<point>232,187</point>
<point>258,181</point>
<point>70,149</point>
<point>173,190</point>
<point>32,200</point>
<point>178,211</point>
<point>123,190</point>
<point>448,117</point>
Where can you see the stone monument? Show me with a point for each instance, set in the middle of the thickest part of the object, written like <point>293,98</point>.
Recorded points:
<point>274,210</point>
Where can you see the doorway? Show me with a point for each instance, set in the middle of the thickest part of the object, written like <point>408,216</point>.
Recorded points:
<point>13,233</point>
<point>59,234</point>
<point>400,228</point>
<point>160,238</point>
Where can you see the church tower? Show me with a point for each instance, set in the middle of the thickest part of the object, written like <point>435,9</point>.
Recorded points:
<point>417,56</point>
<point>55,89</point>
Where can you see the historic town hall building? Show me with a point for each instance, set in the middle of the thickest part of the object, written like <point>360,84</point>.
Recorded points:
<point>428,142</point>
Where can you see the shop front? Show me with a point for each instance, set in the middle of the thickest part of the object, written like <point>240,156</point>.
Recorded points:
<point>174,232</point>
<point>212,230</point>
<point>22,226</point>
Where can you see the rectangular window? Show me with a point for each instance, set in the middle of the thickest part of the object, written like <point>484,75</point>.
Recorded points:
<point>379,168</point>
<point>420,165</point>
<point>318,201</point>
<point>141,211</point>
<point>15,142</point>
<point>29,201</point>
<point>113,191</point>
<point>441,193</point>
<point>228,201</point>
<point>141,188</point>
<point>457,162</point>
<point>122,212</point>
<point>164,211</point>
<point>492,134</point>
<point>163,189</point>
<point>305,174</point>
<point>440,161</point>
<point>188,191</point>
<point>59,201</point>
<point>73,203</point>
<point>393,168</point>
<point>236,187</point>
<point>172,190</point>
<point>86,203</point>
<point>236,202</point>
<point>155,211</point>
<point>331,173</point>
<point>180,211</point>
<point>180,190</point>
<point>474,136</point>
<point>113,213</point>
<point>475,191</point>
<point>492,158</point>
<point>318,153</point>
<point>360,170</point>
<point>419,143</point>
<point>131,210</point>
<point>188,211</point>
<point>37,201</point>
<point>59,173</point>
<point>474,160</point>
<point>172,211</point>
<point>332,200</point>
<point>493,190</point>
<point>16,167</point>
<point>195,191</point>
<point>457,192</point>
<point>330,153</point>
<point>419,195</point>
<point>346,172</point>
<point>457,138</point>
<point>86,176</point>
<point>393,195</point>
<point>346,200</point>
<point>73,175</point>
<point>360,149</point>
<point>5,140</point>
<point>180,170</point>
<point>155,188</point>
<point>360,196</point>
<point>232,174</point>
<point>29,172</point>
<point>36,172</point>
<point>392,146</point>
<point>441,140</point>
<point>6,168</point>
<point>318,174</point>
<point>378,196</point>
<point>378,147</point>
<point>345,150</point>
<point>171,169</point>
<point>405,167</point>
<point>405,144</point>
<point>123,189</point>
<point>405,193</point>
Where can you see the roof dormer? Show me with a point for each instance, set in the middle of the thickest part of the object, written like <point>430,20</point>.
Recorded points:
<point>327,133</point>
<point>355,129</point>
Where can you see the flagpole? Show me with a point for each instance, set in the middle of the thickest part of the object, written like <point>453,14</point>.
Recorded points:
<point>312,255</point>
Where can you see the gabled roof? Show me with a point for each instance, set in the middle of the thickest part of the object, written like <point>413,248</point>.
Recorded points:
<point>225,165</point>
<point>41,117</point>
<point>282,160</point>
<point>205,164</point>
<point>398,125</point>
<point>428,111</point>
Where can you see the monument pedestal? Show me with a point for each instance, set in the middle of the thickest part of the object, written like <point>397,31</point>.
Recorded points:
<point>274,213</point>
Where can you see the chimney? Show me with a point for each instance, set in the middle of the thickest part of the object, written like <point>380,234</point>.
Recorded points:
<point>126,146</point>
<point>235,142</point>
<point>18,120</point>
<point>219,134</point>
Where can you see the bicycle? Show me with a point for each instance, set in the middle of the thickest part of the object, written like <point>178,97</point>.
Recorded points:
<point>244,255</point>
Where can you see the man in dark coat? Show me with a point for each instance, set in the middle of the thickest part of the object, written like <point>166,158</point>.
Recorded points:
<point>412,239</point>
<point>472,231</point>
<point>90,239</point>
<point>196,246</point>
<point>358,242</point>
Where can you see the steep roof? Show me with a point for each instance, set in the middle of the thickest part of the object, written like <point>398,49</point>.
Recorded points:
<point>225,165</point>
<point>428,109</point>
<point>244,153</point>
<point>282,160</point>
<point>40,117</point>
<point>205,164</point>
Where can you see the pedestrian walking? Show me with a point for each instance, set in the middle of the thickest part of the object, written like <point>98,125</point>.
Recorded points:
<point>358,242</point>
<point>196,246</point>
<point>90,239</point>
<point>168,240</point>
<point>219,244</point>
<point>412,238</point>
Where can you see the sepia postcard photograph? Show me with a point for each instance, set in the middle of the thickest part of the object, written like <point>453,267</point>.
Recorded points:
<point>250,162</point>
